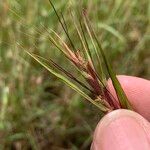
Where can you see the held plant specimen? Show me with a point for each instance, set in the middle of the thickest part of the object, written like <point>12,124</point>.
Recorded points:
<point>89,66</point>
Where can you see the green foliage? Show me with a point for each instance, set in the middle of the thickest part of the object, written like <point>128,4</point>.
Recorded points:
<point>36,110</point>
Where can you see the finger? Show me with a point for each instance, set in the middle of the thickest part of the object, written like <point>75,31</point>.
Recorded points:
<point>122,130</point>
<point>137,91</point>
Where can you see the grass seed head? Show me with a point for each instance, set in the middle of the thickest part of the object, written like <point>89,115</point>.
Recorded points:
<point>100,96</point>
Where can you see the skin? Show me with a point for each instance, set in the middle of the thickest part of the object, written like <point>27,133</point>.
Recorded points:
<point>125,129</point>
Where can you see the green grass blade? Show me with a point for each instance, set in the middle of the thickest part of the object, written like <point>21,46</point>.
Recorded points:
<point>79,35</point>
<point>112,30</point>
<point>69,83</point>
<point>119,91</point>
<point>63,26</point>
<point>100,69</point>
<point>68,74</point>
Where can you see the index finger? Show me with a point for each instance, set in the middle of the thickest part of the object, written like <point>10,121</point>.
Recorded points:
<point>137,91</point>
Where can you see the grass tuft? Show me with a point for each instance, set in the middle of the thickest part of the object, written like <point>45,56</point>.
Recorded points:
<point>38,111</point>
<point>86,66</point>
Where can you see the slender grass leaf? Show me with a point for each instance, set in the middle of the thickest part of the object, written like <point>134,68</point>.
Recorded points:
<point>100,69</point>
<point>69,83</point>
<point>63,26</point>
<point>68,74</point>
<point>112,31</point>
<point>119,91</point>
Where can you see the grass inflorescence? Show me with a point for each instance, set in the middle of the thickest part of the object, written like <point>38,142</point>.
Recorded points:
<point>84,61</point>
<point>37,111</point>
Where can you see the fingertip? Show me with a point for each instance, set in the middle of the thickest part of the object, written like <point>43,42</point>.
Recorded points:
<point>137,91</point>
<point>120,130</point>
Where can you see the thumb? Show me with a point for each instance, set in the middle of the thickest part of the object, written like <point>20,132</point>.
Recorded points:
<point>122,130</point>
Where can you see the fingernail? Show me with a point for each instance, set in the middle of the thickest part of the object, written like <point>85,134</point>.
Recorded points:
<point>120,133</point>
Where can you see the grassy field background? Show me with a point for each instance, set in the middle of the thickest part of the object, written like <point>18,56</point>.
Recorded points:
<point>36,110</point>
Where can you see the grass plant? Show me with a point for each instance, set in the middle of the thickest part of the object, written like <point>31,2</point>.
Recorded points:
<point>83,60</point>
<point>37,111</point>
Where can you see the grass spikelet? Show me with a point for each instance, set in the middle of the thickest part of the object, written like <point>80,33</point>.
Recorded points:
<point>83,59</point>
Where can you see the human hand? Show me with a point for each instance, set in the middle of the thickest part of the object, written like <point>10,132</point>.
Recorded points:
<point>125,129</point>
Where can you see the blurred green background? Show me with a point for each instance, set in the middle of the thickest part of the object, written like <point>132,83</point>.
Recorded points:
<point>37,111</point>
